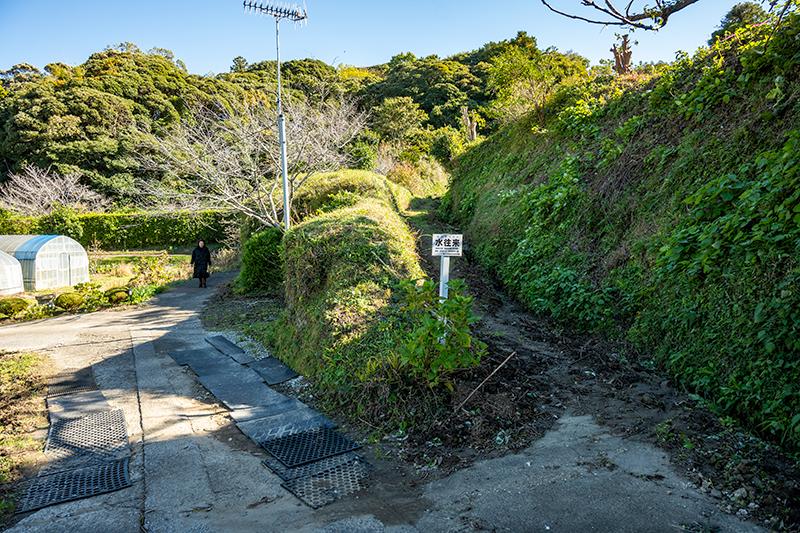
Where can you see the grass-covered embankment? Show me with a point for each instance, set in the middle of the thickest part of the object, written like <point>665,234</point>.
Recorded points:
<point>664,211</point>
<point>342,324</point>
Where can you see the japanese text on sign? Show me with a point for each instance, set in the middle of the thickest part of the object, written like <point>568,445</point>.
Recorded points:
<point>447,245</point>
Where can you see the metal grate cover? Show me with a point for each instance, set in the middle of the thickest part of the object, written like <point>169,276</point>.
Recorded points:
<point>308,469</point>
<point>311,445</point>
<point>328,486</point>
<point>80,442</point>
<point>71,381</point>
<point>75,484</point>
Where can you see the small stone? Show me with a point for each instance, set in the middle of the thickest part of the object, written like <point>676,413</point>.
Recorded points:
<point>716,494</point>
<point>752,505</point>
<point>740,494</point>
<point>742,512</point>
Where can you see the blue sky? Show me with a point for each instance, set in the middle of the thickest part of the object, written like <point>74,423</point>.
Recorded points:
<point>208,34</point>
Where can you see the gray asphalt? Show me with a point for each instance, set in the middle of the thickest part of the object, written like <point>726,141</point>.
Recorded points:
<point>193,472</point>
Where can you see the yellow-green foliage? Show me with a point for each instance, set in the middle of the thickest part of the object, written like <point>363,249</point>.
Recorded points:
<point>121,230</point>
<point>324,192</point>
<point>115,295</point>
<point>340,267</point>
<point>12,306</point>
<point>69,300</point>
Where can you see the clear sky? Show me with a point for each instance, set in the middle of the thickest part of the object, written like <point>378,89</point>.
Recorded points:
<point>208,34</point>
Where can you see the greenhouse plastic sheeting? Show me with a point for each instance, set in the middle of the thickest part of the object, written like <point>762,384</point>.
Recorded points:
<point>47,261</point>
<point>10,274</point>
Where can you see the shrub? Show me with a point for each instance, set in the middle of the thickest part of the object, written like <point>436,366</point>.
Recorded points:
<point>12,306</point>
<point>441,342</point>
<point>116,295</point>
<point>69,300</point>
<point>262,266</point>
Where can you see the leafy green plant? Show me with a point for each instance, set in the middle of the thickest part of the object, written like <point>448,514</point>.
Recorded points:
<point>441,342</point>
<point>262,266</point>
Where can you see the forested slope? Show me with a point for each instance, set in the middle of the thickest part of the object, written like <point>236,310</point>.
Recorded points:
<point>663,211</point>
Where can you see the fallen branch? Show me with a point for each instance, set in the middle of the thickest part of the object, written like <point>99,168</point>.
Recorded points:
<point>484,381</point>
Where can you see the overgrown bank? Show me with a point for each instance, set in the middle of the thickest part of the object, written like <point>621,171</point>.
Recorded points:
<point>664,212</point>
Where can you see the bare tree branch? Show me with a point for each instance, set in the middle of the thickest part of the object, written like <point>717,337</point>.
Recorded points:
<point>613,17</point>
<point>37,192</point>
<point>229,157</point>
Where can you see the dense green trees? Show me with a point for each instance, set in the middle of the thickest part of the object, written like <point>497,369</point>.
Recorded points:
<point>73,118</point>
<point>76,120</point>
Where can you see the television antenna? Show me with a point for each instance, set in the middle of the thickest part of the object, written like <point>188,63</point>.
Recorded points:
<point>296,14</point>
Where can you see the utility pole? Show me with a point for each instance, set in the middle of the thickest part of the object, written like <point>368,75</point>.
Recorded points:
<point>296,14</point>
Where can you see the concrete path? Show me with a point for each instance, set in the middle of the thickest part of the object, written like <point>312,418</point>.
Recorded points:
<point>194,472</point>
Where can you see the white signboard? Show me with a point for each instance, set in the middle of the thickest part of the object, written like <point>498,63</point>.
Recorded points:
<point>447,245</point>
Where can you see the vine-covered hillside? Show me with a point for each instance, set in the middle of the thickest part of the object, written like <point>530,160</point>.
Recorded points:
<point>663,211</point>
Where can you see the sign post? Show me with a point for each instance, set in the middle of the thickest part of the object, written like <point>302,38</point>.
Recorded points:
<point>446,245</point>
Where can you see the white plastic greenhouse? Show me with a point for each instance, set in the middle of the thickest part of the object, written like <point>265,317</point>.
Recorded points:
<point>10,274</point>
<point>47,261</point>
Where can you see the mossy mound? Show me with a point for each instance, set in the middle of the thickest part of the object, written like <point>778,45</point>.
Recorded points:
<point>69,300</point>
<point>12,306</point>
<point>116,295</point>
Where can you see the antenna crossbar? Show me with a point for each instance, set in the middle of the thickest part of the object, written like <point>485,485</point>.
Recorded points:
<point>292,12</point>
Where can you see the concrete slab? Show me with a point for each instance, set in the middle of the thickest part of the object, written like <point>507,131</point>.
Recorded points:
<point>225,380</point>
<point>250,413</point>
<point>230,349</point>
<point>282,424</point>
<point>183,357</point>
<point>572,480</point>
<point>212,362</point>
<point>247,395</point>
<point>77,405</point>
<point>273,370</point>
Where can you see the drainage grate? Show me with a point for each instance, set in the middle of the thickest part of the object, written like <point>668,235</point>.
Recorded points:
<point>71,382</point>
<point>75,484</point>
<point>328,486</point>
<point>308,469</point>
<point>80,442</point>
<point>311,445</point>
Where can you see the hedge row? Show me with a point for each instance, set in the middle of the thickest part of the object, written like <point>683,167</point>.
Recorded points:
<point>122,230</point>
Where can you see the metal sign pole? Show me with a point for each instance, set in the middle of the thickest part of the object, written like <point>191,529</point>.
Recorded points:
<point>446,246</point>
<point>444,277</point>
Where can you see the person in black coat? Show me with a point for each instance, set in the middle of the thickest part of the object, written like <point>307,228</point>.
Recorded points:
<point>201,259</point>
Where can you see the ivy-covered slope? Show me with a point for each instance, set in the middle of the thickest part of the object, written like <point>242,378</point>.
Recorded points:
<point>663,211</point>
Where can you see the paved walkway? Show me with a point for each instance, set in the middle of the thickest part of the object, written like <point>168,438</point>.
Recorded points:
<point>193,471</point>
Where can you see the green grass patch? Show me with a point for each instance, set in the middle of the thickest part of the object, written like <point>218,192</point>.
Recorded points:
<point>23,382</point>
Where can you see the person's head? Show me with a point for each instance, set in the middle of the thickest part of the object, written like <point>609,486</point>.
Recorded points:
<point>201,243</point>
